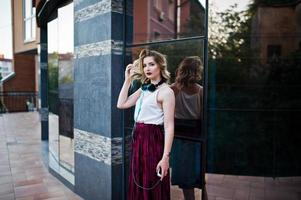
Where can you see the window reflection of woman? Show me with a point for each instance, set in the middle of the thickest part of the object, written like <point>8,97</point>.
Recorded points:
<point>185,161</point>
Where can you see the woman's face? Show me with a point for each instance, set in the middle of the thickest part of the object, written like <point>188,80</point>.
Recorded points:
<point>151,69</point>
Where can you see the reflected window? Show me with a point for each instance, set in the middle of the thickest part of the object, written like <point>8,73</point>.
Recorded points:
<point>29,13</point>
<point>158,4</point>
<point>60,87</point>
<point>53,70</point>
<point>156,34</point>
<point>65,85</point>
<point>274,52</point>
<point>171,10</point>
<point>254,74</point>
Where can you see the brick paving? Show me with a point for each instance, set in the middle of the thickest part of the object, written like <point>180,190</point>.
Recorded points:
<point>229,187</point>
<point>24,174</point>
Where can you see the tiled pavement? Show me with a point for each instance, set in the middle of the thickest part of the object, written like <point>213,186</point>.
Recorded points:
<point>228,187</point>
<point>23,172</point>
<point>24,175</point>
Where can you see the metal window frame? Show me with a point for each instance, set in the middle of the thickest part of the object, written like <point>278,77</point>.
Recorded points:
<point>203,145</point>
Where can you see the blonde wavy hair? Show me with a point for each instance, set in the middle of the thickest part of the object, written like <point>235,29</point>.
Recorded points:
<point>159,58</point>
<point>189,71</point>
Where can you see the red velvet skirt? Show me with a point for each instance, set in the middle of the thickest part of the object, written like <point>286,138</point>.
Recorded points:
<point>147,151</point>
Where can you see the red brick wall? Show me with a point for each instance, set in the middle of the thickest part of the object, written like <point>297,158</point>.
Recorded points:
<point>23,81</point>
<point>165,27</point>
<point>146,21</point>
<point>272,28</point>
<point>185,15</point>
<point>140,21</point>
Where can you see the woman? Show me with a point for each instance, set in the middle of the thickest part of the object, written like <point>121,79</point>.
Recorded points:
<point>154,127</point>
<point>188,114</point>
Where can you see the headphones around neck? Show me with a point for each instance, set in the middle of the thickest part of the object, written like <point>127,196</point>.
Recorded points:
<point>151,87</point>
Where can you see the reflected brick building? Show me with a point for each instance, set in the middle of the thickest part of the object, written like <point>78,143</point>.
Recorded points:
<point>276,30</point>
<point>165,19</point>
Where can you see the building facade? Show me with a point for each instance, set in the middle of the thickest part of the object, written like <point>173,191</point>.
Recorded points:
<point>22,84</point>
<point>251,117</point>
<point>84,47</point>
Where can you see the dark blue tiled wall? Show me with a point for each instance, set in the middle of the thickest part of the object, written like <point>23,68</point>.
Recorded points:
<point>93,30</point>
<point>98,73</point>
<point>93,179</point>
<point>92,98</point>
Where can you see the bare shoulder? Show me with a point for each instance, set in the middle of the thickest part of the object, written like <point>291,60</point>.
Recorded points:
<point>200,88</point>
<point>165,92</point>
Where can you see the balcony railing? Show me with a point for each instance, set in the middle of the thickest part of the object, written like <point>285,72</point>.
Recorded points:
<point>17,101</point>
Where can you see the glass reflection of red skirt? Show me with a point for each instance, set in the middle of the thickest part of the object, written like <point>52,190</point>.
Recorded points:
<point>147,150</point>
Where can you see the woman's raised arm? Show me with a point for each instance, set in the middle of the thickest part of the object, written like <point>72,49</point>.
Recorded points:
<point>123,100</point>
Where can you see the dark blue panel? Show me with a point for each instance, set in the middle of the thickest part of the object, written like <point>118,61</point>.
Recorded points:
<point>92,178</point>
<point>117,182</point>
<point>44,130</point>
<point>92,99</point>
<point>93,30</point>
<point>117,25</point>
<point>117,81</point>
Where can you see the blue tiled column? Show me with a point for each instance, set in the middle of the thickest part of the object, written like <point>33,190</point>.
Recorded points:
<point>97,80</point>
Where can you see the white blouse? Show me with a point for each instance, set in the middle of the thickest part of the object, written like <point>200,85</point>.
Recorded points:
<point>148,110</point>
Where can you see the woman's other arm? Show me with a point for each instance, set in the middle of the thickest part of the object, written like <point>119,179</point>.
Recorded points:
<point>167,98</point>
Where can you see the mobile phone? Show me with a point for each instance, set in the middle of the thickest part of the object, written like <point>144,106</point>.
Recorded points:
<point>158,173</point>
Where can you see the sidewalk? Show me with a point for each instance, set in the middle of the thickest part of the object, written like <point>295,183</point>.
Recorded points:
<point>23,172</point>
<point>229,187</point>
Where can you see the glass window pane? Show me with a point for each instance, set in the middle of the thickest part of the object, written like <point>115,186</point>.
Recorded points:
<point>33,28</point>
<point>65,85</point>
<point>53,89</point>
<point>158,4</point>
<point>66,29</point>
<point>164,20</point>
<point>33,22</point>
<point>185,170</point>
<point>27,29</point>
<point>28,8</point>
<point>52,36</point>
<point>254,109</point>
<point>171,11</point>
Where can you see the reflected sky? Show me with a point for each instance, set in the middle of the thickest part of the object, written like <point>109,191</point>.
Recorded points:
<point>223,5</point>
<point>60,30</point>
<point>65,15</point>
